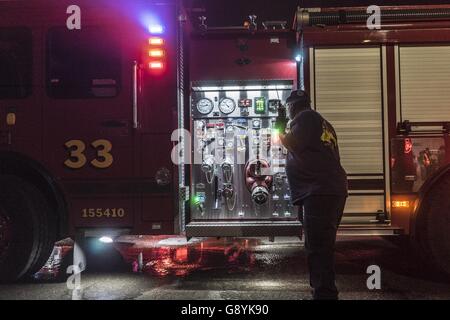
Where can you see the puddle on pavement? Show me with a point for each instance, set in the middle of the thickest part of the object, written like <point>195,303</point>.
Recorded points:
<point>164,256</point>
<point>159,258</point>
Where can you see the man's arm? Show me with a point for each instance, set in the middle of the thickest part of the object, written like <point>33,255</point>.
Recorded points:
<point>300,134</point>
<point>284,140</point>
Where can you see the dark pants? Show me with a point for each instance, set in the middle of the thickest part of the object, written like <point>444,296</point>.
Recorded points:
<point>321,218</point>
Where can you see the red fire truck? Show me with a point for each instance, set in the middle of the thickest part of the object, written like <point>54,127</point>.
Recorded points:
<point>136,117</point>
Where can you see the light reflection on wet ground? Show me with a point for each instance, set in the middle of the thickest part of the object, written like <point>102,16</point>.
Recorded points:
<point>162,256</point>
<point>251,269</point>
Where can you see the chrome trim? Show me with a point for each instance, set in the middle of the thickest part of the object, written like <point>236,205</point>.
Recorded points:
<point>312,78</point>
<point>387,158</point>
<point>255,87</point>
<point>378,177</point>
<point>135,95</point>
<point>355,192</point>
<point>397,84</point>
<point>367,233</point>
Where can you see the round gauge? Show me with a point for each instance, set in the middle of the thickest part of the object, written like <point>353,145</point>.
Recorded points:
<point>205,106</point>
<point>227,105</point>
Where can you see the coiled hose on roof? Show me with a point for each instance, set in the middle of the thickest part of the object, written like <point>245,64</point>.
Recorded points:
<point>305,18</point>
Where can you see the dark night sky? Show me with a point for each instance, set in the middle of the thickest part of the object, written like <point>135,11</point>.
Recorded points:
<point>234,12</point>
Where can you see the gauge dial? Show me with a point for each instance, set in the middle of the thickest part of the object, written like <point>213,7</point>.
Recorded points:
<point>227,105</point>
<point>205,106</point>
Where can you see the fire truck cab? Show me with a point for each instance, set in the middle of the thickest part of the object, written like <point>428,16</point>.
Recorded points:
<point>136,117</point>
<point>87,115</point>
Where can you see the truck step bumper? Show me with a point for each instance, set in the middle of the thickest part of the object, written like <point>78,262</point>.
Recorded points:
<point>369,230</point>
<point>244,229</point>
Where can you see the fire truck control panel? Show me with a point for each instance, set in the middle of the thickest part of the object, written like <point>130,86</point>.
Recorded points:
<point>238,172</point>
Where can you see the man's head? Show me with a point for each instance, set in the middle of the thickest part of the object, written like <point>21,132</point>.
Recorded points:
<point>297,102</point>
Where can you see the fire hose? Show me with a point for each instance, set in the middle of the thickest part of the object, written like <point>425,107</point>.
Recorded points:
<point>305,18</point>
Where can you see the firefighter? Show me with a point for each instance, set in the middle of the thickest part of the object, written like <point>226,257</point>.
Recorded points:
<point>318,185</point>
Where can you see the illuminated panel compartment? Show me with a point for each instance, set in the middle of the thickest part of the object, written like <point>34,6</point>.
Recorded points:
<point>238,171</point>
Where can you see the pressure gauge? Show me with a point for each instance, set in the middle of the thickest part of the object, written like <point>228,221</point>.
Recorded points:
<point>205,106</point>
<point>227,105</point>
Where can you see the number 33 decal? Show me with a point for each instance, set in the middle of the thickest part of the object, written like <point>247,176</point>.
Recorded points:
<point>77,159</point>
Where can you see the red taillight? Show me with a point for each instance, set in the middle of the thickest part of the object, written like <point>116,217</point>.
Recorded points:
<point>408,146</point>
<point>156,65</point>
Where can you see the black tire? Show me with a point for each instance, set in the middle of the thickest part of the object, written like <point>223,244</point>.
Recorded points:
<point>31,229</point>
<point>434,226</point>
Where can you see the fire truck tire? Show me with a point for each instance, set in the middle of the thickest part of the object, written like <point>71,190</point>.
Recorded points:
<point>27,229</point>
<point>434,226</point>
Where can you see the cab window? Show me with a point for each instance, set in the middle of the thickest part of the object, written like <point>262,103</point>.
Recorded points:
<point>15,63</point>
<point>82,64</point>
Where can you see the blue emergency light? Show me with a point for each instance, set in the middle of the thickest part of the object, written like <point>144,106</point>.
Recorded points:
<point>156,29</point>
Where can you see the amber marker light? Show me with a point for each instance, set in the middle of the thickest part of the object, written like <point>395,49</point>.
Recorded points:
<point>400,204</point>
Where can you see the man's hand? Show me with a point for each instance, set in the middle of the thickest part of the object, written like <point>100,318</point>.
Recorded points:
<point>281,123</point>
<point>284,138</point>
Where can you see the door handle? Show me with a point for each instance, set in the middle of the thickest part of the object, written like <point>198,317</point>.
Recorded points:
<point>135,95</point>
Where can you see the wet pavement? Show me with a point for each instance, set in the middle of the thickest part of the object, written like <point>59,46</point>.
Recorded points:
<point>254,269</point>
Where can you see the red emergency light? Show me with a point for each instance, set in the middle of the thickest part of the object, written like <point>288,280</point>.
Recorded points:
<point>156,41</point>
<point>156,65</point>
<point>156,53</point>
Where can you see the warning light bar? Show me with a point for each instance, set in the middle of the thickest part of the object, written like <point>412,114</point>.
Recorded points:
<point>156,50</point>
<point>156,53</point>
<point>156,41</point>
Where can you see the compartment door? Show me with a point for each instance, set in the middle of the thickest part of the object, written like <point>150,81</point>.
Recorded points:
<point>347,90</point>
<point>425,79</point>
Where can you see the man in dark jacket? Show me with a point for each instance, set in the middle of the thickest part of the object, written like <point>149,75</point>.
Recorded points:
<point>318,184</point>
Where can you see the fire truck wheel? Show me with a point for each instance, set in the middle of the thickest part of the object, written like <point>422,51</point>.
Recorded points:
<point>434,225</point>
<point>27,234</point>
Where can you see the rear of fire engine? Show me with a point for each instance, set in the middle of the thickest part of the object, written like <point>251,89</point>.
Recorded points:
<point>145,120</point>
